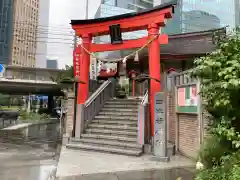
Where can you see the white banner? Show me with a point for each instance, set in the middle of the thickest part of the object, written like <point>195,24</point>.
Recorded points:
<point>93,68</point>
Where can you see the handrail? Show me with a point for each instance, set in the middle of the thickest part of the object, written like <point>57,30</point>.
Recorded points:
<point>97,100</point>
<point>97,92</point>
<point>142,120</point>
<point>145,98</point>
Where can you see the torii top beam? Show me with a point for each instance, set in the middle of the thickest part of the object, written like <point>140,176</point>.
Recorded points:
<point>128,22</point>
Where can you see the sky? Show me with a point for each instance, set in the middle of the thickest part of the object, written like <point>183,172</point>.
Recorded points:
<point>60,38</point>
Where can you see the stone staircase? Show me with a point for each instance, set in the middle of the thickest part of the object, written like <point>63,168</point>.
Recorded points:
<point>113,130</point>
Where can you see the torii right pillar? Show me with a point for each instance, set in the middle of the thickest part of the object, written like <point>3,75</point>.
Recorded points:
<point>154,68</point>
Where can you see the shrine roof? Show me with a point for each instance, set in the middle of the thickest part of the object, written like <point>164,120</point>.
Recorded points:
<point>200,42</point>
<point>125,16</point>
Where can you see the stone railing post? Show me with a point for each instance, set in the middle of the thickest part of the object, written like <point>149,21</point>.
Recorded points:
<point>69,118</point>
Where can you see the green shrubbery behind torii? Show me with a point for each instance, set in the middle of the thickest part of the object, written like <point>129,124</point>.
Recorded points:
<point>219,73</point>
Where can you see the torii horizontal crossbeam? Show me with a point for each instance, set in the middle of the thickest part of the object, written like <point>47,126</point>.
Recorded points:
<point>127,44</point>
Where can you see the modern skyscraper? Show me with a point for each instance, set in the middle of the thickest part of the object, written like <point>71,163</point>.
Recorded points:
<point>6,28</point>
<point>42,35</point>
<point>200,15</point>
<point>199,20</point>
<point>25,30</point>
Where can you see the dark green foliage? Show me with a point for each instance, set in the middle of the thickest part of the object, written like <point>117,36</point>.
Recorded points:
<point>219,73</point>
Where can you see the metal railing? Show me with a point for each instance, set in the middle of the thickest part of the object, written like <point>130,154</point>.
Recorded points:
<point>93,85</point>
<point>96,101</point>
<point>143,123</point>
<point>183,78</point>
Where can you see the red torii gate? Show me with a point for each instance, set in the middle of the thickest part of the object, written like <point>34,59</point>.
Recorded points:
<point>151,20</point>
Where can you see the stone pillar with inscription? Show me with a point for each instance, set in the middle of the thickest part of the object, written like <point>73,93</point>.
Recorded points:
<point>69,121</point>
<point>160,127</point>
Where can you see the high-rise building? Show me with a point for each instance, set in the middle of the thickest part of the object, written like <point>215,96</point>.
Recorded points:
<point>42,35</point>
<point>6,28</point>
<point>25,30</point>
<point>200,15</point>
<point>199,20</point>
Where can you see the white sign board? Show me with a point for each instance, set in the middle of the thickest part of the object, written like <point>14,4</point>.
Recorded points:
<point>93,68</point>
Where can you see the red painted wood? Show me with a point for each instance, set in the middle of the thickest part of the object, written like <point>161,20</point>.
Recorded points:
<point>127,44</point>
<point>83,89</point>
<point>127,24</point>
<point>154,69</point>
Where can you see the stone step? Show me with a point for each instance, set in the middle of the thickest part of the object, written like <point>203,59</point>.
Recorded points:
<point>115,122</point>
<point>114,113</point>
<point>123,102</point>
<point>115,117</point>
<point>113,127</point>
<point>108,143</point>
<point>111,132</point>
<point>113,109</point>
<point>108,137</point>
<point>127,100</point>
<point>106,149</point>
<point>120,106</point>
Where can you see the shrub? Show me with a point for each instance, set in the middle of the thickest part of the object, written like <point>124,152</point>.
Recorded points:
<point>211,152</point>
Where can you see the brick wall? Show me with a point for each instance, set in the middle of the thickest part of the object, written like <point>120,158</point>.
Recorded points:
<point>188,134</point>
<point>185,127</point>
<point>172,118</point>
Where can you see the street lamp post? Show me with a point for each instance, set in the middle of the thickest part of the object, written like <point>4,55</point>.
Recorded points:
<point>86,15</point>
<point>160,121</point>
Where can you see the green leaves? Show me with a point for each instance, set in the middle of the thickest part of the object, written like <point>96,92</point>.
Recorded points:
<point>219,73</point>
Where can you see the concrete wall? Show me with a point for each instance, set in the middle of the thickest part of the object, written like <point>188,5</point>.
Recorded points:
<point>31,73</point>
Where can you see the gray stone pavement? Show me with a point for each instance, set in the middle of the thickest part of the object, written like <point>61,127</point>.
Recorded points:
<point>162,174</point>
<point>77,162</point>
<point>21,162</point>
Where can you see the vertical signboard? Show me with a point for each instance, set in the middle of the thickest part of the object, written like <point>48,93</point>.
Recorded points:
<point>1,70</point>
<point>76,61</point>
<point>93,68</point>
<point>160,134</point>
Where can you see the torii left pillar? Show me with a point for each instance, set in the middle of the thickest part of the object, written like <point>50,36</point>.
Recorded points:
<point>154,68</point>
<point>83,88</point>
<point>84,70</point>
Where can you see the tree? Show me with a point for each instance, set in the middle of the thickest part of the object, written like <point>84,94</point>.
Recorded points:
<point>66,78</point>
<point>219,73</point>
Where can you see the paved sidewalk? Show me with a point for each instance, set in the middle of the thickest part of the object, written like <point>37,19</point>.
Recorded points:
<point>78,162</point>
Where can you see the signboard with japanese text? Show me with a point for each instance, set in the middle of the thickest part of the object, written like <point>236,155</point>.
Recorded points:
<point>93,68</point>
<point>76,61</point>
<point>160,115</point>
<point>187,99</point>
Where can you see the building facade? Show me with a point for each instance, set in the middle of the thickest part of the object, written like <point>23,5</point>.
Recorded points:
<point>42,35</point>
<point>25,30</point>
<point>6,28</point>
<point>52,64</point>
<point>201,15</point>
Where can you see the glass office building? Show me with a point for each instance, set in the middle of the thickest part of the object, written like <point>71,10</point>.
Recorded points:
<point>200,15</point>
<point>6,29</point>
<point>190,16</point>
